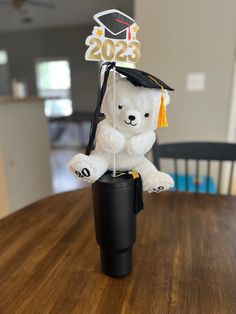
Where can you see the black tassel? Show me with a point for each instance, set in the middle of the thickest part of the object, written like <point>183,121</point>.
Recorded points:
<point>101,93</point>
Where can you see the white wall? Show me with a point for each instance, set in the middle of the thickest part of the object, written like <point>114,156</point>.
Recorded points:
<point>232,118</point>
<point>185,36</point>
<point>25,152</point>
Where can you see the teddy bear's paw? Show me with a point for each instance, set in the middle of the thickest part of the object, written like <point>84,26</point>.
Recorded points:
<point>113,142</point>
<point>82,166</point>
<point>162,182</point>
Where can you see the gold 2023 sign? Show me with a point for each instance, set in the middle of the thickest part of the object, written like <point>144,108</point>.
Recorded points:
<point>115,38</point>
<point>112,50</point>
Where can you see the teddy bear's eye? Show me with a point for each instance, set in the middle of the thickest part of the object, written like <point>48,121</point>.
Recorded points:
<point>146,115</point>
<point>120,107</point>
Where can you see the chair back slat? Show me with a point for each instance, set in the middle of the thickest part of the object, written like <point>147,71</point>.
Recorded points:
<point>156,156</point>
<point>186,175</point>
<point>197,177</point>
<point>231,177</point>
<point>208,176</point>
<point>176,175</point>
<point>219,177</point>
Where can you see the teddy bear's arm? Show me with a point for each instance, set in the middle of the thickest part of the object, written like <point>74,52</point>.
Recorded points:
<point>140,144</point>
<point>109,139</point>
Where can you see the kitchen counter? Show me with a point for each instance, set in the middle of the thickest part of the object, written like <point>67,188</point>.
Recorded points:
<point>9,99</point>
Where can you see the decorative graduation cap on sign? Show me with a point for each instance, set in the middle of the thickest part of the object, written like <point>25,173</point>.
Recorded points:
<point>117,24</point>
<point>137,78</point>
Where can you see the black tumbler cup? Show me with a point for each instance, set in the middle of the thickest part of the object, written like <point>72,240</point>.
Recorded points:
<point>115,222</point>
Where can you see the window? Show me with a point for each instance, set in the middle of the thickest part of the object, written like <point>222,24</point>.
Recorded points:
<point>3,57</point>
<point>53,84</point>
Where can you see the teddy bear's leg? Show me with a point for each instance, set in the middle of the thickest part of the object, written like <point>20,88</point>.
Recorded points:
<point>89,168</point>
<point>153,180</point>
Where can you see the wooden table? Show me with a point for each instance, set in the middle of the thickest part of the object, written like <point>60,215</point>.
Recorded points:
<point>184,258</point>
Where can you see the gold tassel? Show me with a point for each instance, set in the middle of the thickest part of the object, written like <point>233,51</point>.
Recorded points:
<point>162,117</point>
<point>134,174</point>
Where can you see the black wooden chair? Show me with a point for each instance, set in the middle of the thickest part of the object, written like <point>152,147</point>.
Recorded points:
<point>197,151</point>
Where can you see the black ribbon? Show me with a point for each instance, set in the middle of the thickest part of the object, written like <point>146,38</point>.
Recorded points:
<point>138,200</point>
<point>101,93</point>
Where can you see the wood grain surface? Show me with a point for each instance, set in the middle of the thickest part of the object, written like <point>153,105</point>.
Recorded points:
<point>184,258</point>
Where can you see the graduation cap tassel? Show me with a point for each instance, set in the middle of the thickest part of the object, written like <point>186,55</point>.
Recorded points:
<point>162,117</point>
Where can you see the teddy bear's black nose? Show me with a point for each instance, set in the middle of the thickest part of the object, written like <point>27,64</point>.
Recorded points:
<point>132,118</point>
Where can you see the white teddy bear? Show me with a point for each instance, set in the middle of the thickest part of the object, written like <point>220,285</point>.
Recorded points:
<point>136,116</point>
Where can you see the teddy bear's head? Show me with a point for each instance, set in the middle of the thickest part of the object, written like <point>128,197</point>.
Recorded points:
<point>136,108</point>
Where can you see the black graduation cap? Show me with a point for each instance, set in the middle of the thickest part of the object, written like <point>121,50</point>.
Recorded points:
<point>117,24</point>
<point>141,78</point>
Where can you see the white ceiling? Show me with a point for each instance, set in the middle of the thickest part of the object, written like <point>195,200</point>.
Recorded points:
<point>67,12</point>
